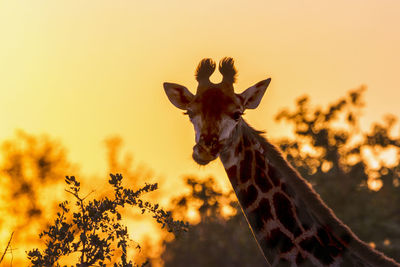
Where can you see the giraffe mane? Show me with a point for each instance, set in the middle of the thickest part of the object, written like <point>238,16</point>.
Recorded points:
<point>204,70</point>
<point>227,69</point>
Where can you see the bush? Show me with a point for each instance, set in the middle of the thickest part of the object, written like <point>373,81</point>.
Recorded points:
<point>94,230</point>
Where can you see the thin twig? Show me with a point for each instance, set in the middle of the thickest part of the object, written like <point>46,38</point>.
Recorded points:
<point>4,253</point>
<point>77,196</point>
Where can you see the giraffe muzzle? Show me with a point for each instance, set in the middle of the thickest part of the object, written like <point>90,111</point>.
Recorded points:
<point>205,151</point>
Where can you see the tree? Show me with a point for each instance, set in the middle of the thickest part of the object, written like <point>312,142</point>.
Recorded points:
<point>217,239</point>
<point>356,173</point>
<point>31,169</point>
<point>30,161</point>
<point>95,230</point>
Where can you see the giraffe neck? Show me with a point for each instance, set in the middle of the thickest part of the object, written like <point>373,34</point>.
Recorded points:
<point>291,224</point>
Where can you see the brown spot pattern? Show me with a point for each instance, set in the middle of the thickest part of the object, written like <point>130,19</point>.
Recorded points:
<point>262,181</point>
<point>232,174</point>
<point>247,197</point>
<point>278,240</point>
<point>259,216</point>
<point>321,252</point>
<point>260,160</point>
<point>245,166</point>
<point>239,149</point>
<point>273,175</point>
<point>284,213</point>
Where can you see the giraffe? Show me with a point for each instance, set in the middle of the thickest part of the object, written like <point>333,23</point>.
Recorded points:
<point>290,222</point>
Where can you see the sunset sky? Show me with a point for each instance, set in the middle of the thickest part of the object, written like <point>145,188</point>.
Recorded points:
<point>84,71</point>
<point>81,71</point>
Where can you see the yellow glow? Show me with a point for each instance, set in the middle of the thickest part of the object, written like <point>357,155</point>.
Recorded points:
<point>193,216</point>
<point>375,184</point>
<point>228,211</point>
<point>326,166</point>
<point>82,71</point>
<point>307,149</point>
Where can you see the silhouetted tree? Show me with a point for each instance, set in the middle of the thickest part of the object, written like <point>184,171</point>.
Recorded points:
<point>356,173</point>
<point>29,164</point>
<point>31,169</point>
<point>217,240</point>
<point>95,230</point>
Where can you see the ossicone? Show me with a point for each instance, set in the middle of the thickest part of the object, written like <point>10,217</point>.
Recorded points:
<point>228,70</point>
<point>204,70</point>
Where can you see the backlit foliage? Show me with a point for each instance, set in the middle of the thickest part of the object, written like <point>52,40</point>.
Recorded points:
<point>31,170</point>
<point>94,230</point>
<point>28,164</point>
<point>217,239</point>
<point>355,172</point>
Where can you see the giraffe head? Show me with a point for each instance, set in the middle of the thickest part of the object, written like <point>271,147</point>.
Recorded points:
<point>215,109</point>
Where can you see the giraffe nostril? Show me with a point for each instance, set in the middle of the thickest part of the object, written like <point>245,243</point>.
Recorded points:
<point>208,142</point>
<point>214,143</point>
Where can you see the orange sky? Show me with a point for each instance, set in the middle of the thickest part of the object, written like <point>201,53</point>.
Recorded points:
<point>81,71</point>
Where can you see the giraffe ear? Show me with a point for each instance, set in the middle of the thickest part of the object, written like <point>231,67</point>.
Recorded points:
<point>179,95</point>
<point>252,96</point>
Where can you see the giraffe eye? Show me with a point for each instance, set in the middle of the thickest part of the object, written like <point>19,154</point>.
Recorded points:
<point>236,115</point>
